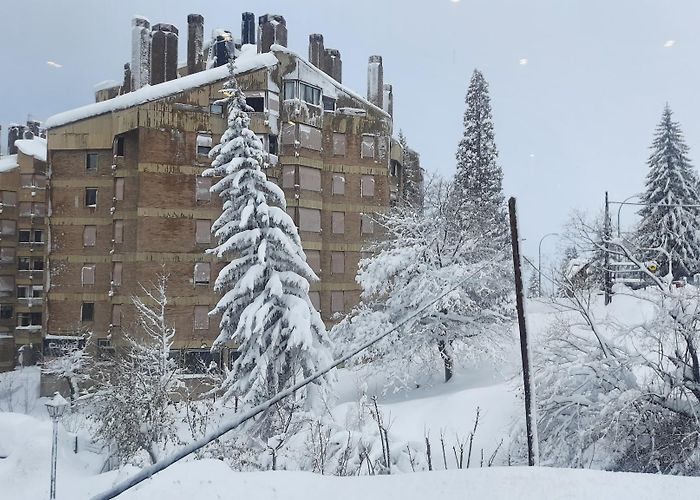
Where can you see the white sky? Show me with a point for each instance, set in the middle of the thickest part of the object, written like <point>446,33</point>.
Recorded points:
<point>576,119</point>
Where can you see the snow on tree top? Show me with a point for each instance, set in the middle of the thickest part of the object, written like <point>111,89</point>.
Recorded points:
<point>35,147</point>
<point>8,163</point>
<point>151,93</point>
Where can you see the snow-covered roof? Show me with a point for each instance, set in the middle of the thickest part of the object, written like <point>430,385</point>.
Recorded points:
<point>35,147</point>
<point>247,62</point>
<point>8,163</point>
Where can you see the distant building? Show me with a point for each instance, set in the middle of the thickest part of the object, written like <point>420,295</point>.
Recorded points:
<point>128,199</point>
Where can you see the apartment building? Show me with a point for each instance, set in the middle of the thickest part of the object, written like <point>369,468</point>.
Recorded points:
<point>22,247</point>
<point>128,200</point>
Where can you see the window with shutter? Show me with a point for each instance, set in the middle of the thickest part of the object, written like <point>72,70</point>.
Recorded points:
<point>313,259</point>
<point>338,222</point>
<point>201,317</point>
<point>202,273</point>
<point>310,178</point>
<point>117,273</point>
<point>310,220</point>
<point>119,231</point>
<point>202,231</point>
<point>338,184</point>
<point>88,274</point>
<point>367,186</point>
<point>89,236</point>
<point>203,189</point>
<point>338,262</point>
<point>119,188</point>
<point>339,144</point>
<point>116,315</point>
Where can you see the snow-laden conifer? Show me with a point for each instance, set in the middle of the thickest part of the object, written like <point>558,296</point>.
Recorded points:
<point>479,178</point>
<point>671,182</point>
<point>265,307</point>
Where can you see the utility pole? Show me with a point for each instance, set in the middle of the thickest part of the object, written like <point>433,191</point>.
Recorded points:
<point>607,234</point>
<point>530,411</point>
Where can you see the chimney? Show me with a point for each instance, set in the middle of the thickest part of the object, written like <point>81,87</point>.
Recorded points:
<point>332,64</point>
<point>375,81</point>
<point>273,30</point>
<point>248,29</point>
<point>140,52</point>
<point>389,99</point>
<point>14,133</point>
<point>33,127</point>
<point>223,47</point>
<point>163,53</point>
<point>316,51</point>
<point>195,43</point>
<point>126,84</point>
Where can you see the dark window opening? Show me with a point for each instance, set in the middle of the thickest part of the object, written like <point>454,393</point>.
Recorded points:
<point>310,94</point>
<point>29,319</point>
<point>87,311</point>
<point>257,103</point>
<point>23,263</point>
<point>328,103</point>
<point>119,146</point>
<point>90,197</point>
<point>216,109</point>
<point>38,236</point>
<point>6,311</point>
<point>91,162</point>
<point>272,148</point>
<point>25,235</point>
<point>37,264</point>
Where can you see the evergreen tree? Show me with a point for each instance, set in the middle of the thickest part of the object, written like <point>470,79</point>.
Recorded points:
<point>265,308</point>
<point>671,182</point>
<point>412,191</point>
<point>479,179</point>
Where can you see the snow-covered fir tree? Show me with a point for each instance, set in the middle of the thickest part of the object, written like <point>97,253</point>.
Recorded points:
<point>479,178</point>
<point>265,306</point>
<point>412,190</point>
<point>671,182</point>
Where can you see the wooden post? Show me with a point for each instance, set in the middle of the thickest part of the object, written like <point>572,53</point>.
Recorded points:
<point>607,234</point>
<point>530,413</point>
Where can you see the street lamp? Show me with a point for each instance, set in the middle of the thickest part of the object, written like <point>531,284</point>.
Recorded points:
<point>619,209</point>
<point>55,406</point>
<point>539,263</point>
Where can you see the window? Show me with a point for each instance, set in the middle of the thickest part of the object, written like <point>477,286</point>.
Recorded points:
<point>38,235</point>
<point>7,285</point>
<point>310,220</point>
<point>204,143</point>
<point>203,186</point>
<point>118,231</point>
<point>272,147</point>
<point>367,150</point>
<point>7,255</point>
<point>310,178</point>
<point>34,181</point>
<point>201,317</point>
<point>310,137</point>
<point>328,104</point>
<point>216,109</point>
<point>338,222</point>
<point>367,186</point>
<point>23,264</point>
<point>37,263</point>
<point>87,311</point>
<point>290,90</point>
<point>91,197</point>
<point>273,102</point>
<point>29,320</point>
<point>116,315</point>
<point>25,236</point>
<point>8,227</point>
<point>310,94</point>
<point>338,262</point>
<point>338,184</point>
<point>119,188</point>
<point>313,259</point>
<point>87,275</point>
<point>337,302</point>
<point>8,198</point>
<point>339,144</point>
<point>257,103</point>
<point>367,224</point>
<point>91,162</point>
<point>315,300</point>
<point>119,146</point>
<point>27,209</point>
<point>117,273</point>
<point>288,174</point>
<point>30,291</point>
<point>89,236</point>
<point>202,273</point>
<point>289,133</point>
<point>202,231</point>
<point>6,311</point>
<point>104,343</point>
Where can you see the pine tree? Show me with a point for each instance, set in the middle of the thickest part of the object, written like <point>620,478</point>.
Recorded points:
<point>671,182</point>
<point>265,308</point>
<point>412,191</point>
<point>479,178</point>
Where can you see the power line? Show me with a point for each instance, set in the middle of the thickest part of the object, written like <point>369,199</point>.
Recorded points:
<point>147,472</point>
<point>654,204</point>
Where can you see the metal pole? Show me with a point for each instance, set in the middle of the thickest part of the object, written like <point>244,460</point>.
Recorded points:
<point>539,263</point>
<point>606,257</point>
<point>530,411</point>
<point>54,452</point>
<point>619,209</point>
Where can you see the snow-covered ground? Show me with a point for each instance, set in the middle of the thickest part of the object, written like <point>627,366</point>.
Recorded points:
<point>433,409</point>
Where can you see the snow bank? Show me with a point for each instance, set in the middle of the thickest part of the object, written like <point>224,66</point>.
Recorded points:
<point>35,147</point>
<point>8,163</point>
<point>155,92</point>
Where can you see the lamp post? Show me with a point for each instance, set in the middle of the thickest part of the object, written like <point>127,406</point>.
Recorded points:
<point>55,406</point>
<point>539,262</point>
<point>619,209</point>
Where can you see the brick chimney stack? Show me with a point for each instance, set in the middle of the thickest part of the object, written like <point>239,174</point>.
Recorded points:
<point>140,52</point>
<point>333,65</point>
<point>195,43</point>
<point>375,81</point>
<point>272,30</point>
<point>389,99</point>
<point>248,29</point>
<point>316,50</point>
<point>163,53</point>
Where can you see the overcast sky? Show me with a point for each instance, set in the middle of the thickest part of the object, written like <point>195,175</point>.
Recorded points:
<point>577,86</point>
